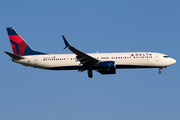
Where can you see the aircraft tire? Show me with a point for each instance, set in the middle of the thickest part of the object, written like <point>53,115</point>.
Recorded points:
<point>90,75</point>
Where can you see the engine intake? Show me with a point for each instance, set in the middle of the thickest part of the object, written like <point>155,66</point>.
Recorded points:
<point>107,67</point>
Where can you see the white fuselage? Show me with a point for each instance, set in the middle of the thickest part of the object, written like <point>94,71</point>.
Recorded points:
<point>104,63</point>
<point>122,60</point>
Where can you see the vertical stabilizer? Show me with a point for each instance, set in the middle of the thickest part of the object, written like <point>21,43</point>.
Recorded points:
<point>19,46</point>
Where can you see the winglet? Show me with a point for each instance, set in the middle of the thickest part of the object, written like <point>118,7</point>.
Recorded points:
<point>66,42</point>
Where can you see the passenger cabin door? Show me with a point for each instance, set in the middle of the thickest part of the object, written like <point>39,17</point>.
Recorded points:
<point>157,58</point>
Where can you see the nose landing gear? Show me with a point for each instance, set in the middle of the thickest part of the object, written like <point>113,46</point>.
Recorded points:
<point>161,68</point>
<point>159,71</point>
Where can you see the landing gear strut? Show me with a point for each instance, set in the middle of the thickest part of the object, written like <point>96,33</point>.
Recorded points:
<point>160,69</point>
<point>90,75</point>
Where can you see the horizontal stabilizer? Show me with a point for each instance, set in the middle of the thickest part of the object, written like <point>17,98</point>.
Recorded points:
<point>14,56</point>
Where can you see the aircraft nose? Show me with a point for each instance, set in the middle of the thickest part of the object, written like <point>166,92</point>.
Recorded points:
<point>173,61</point>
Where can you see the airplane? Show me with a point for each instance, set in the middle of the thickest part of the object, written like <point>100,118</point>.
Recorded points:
<point>104,63</point>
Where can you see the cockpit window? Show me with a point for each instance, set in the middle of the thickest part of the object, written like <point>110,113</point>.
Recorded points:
<point>166,56</point>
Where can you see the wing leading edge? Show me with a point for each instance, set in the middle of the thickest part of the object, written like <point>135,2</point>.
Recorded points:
<point>82,57</point>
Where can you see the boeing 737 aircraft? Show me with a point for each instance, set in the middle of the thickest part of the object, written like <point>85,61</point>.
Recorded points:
<point>104,63</point>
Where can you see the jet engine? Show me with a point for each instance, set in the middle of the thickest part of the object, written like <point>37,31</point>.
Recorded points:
<point>107,67</point>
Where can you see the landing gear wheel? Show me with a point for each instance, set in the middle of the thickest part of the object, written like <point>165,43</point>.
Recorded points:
<point>159,72</point>
<point>90,75</point>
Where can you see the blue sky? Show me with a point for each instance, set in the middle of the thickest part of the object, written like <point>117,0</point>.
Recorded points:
<point>91,26</point>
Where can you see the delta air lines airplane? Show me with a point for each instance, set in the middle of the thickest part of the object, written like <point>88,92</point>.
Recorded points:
<point>104,63</point>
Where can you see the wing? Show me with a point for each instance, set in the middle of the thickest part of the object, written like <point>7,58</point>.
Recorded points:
<point>82,57</point>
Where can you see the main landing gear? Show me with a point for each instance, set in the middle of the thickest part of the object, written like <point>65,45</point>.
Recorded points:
<point>90,75</point>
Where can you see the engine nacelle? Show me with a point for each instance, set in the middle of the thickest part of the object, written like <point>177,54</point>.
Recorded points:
<point>107,67</point>
<point>113,71</point>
